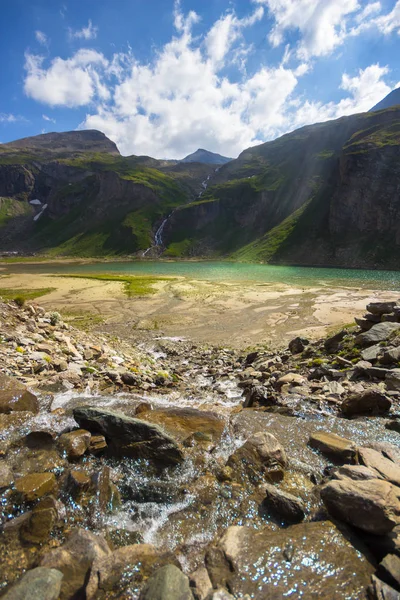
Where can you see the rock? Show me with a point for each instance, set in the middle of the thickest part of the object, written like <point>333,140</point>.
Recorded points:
<point>292,379</point>
<point>373,506</point>
<point>333,388</point>
<point>78,481</point>
<point>127,436</point>
<point>130,379</point>
<point>392,380</point>
<point>393,425</point>
<point>6,476</point>
<point>200,583</point>
<point>389,570</point>
<point>333,344</point>
<point>41,521</point>
<point>260,457</point>
<point>378,590</point>
<point>281,504</point>
<point>297,345</point>
<point>75,443</point>
<point>37,584</point>
<point>385,468</point>
<point>391,451</point>
<point>168,582</point>
<point>15,397</point>
<point>124,567</point>
<point>371,354</point>
<point>364,403</point>
<point>356,472</point>
<point>381,308</point>
<point>74,559</point>
<point>378,333</point>
<point>97,444</point>
<point>334,446</point>
<point>222,594</point>
<point>390,356</point>
<point>255,395</point>
<point>364,324</point>
<point>268,565</point>
<point>35,485</point>
<point>143,407</point>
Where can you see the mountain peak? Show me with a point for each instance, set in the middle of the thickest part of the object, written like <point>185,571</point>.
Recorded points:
<point>205,156</point>
<point>392,99</point>
<point>88,140</point>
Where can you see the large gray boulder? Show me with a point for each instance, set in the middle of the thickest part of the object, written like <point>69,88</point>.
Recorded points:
<point>371,505</point>
<point>378,333</point>
<point>369,402</point>
<point>168,583</point>
<point>37,584</point>
<point>127,436</point>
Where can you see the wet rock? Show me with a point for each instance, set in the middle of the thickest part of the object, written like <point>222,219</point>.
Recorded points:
<point>168,582</point>
<point>74,559</point>
<point>41,521</point>
<point>385,468</point>
<point>261,457</point>
<point>334,446</point>
<point>200,583</point>
<point>378,590</point>
<point>282,504</point>
<point>256,395</point>
<point>381,308</point>
<point>75,443</point>
<point>297,345</point>
<point>97,444</point>
<point>143,407</point>
<point>393,425</point>
<point>36,485</point>
<point>37,584</point>
<point>356,472</point>
<point>78,481</point>
<point>367,402</point>
<point>127,436</point>
<point>15,397</point>
<point>269,564</point>
<point>125,566</point>
<point>392,380</point>
<point>373,506</point>
<point>222,594</point>
<point>389,570</point>
<point>6,476</point>
<point>378,333</point>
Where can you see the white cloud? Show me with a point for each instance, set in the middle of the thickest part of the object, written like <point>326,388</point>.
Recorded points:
<point>41,37</point>
<point>391,22</point>
<point>10,118</point>
<point>184,97</point>
<point>71,82</point>
<point>46,118</point>
<point>86,33</point>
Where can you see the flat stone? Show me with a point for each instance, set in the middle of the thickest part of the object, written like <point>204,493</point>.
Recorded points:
<point>15,397</point>
<point>127,436</point>
<point>381,308</point>
<point>292,379</point>
<point>373,506</point>
<point>378,333</point>
<point>390,356</point>
<point>334,445</point>
<point>386,468</point>
<point>371,354</point>
<point>75,443</point>
<point>35,485</point>
<point>282,504</point>
<point>389,570</point>
<point>392,380</point>
<point>356,472</point>
<point>168,582</point>
<point>365,403</point>
<point>268,565</point>
<point>37,584</point>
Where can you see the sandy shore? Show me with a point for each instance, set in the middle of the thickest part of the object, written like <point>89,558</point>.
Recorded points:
<point>228,313</point>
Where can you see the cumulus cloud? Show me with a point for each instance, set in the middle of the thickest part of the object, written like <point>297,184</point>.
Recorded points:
<point>86,33</point>
<point>391,22</point>
<point>41,38</point>
<point>186,97</point>
<point>72,82</point>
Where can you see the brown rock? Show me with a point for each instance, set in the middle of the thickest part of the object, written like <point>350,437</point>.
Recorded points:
<point>260,457</point>
<point>15,397</point>
<point>6,476</point>
<point>368,402</point>
<point>282,504</point>
<point>42,519</point>
<point>385,468</point>
<point>35,485</point>
<point>373,506</point>
<point>75,443</point>
<point>378,590</point>
<point>334,445</point>
<point>389,570</point>
<point>97,444</point>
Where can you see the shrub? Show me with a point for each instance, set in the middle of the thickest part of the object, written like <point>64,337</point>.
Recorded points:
<point>55,318</point>
<point>20,301</point>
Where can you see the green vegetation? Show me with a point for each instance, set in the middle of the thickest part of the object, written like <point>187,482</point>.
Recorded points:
<point>175,250</point>
<point>134,285</point>
<point>84,320</point>
<point>11,208</point>
<point>22,295</point>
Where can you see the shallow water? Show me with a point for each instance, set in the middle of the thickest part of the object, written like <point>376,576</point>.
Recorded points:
<point>228,271</point>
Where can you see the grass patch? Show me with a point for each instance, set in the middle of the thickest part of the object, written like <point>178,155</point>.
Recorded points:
<point>24,294</point>
<point>82,319</point>
<point>134,285</point>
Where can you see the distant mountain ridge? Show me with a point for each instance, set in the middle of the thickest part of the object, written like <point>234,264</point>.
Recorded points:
<point>207,157</point>
<point>392,99</point>
<point>89,140</point>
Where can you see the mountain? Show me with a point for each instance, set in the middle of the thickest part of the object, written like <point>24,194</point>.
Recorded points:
<point>326,194</point>
<point>204,156</point>
<point>392,99</point>
<point>74,194</point>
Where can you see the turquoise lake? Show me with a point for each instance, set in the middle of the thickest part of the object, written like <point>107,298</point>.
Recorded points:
<point>228,271</point>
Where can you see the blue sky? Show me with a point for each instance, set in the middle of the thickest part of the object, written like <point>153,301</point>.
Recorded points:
<point>163,77</point>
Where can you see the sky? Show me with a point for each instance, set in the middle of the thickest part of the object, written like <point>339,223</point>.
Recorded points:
<point>165,77</point>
